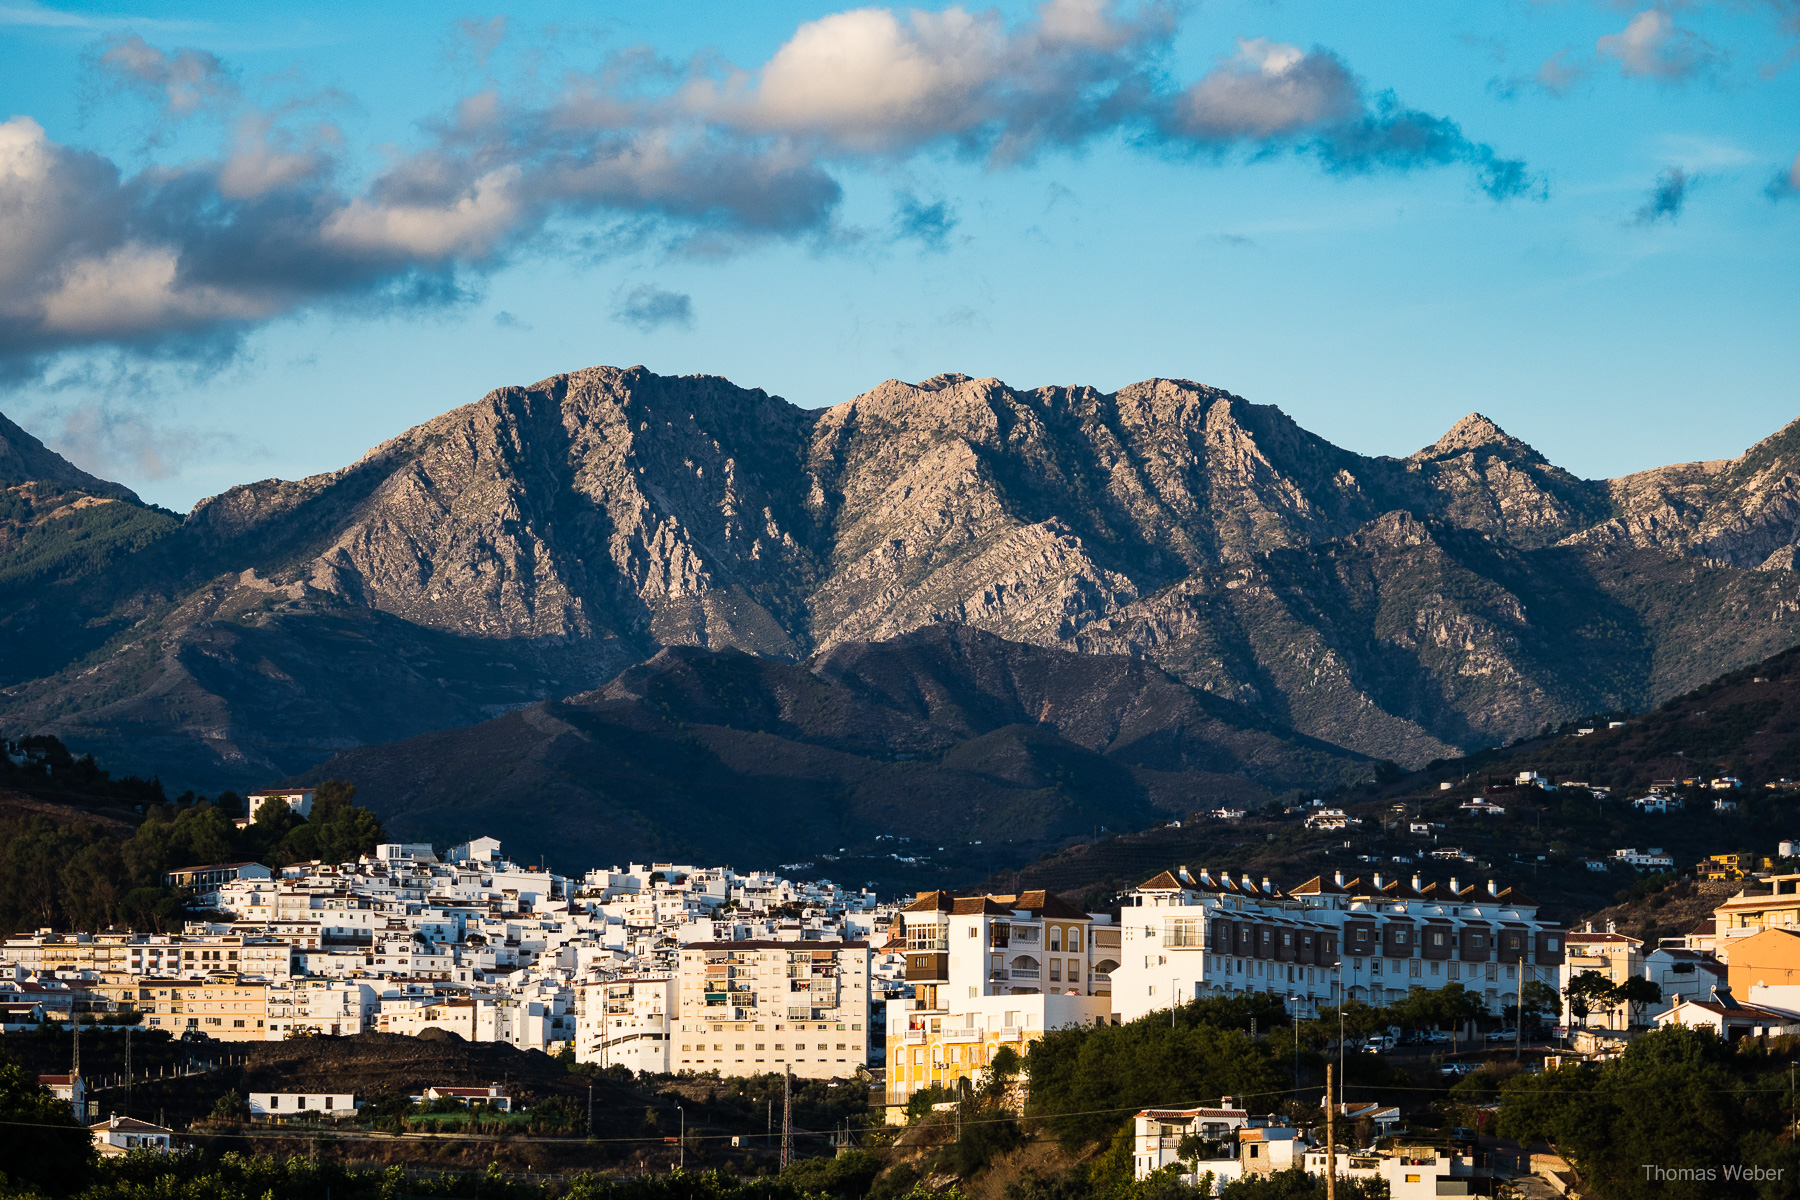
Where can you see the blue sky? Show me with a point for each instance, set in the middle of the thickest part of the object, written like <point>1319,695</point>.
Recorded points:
<point>238,243</point>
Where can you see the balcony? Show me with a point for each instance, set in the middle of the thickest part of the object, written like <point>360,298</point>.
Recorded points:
<point>1026,973</point>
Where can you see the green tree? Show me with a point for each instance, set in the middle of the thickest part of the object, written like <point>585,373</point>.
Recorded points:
<point>42,1146</point>
<point>1586,991</point>
<point>1085,1082</point>
<point>1678,1099</point>
<point>1634,994</point>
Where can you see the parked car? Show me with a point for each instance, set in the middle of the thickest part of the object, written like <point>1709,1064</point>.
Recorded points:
<point>1503,1035</point>
<point>1382,1041</point>
<point>1457,1068</point>
<point>1437,1036</point>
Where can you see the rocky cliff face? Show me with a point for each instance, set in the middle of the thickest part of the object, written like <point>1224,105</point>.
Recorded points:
<point>534,543</point>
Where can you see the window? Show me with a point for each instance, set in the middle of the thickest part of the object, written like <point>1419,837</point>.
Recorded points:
<point>1437,938</point>
<point>1075,941</point>
<point>1055,938</point>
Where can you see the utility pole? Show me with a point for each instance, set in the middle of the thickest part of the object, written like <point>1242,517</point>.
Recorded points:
<point>128,1070</point>
<point>590,1110</point>
<point>1340,1078</point>
<point>787,1117</point>
<point>1519,1015</point>
<point>1294,1032</point>
<point>681,1162</point>
<point>1330,1140</point>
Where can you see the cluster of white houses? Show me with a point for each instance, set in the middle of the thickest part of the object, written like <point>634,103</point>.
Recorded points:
<point>667,968</point>
<point>405,941</point>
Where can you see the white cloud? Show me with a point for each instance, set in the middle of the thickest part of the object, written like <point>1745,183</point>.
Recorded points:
<point>1652,46</point>
<point>467,226</point>
<point>1268,90</point>
<point>188,80</point>
<point>133,290</point>
<point>184,256</point>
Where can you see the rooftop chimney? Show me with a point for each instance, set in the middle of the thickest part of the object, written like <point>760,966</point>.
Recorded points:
<point>1612,927</point>
<point>1266,886</point>
<point>1454,890</point>
<point>1415,881</point>
<point>1338,878</point>
<point>1226,1101</point>
<point>1492,890</point>
<point>1378,881</point>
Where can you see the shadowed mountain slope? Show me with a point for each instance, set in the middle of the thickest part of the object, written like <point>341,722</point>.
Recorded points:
<point>946,735</point>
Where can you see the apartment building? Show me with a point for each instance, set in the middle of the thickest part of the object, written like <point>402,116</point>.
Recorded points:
<point>337,1007</point>
<point>989,972</point>
<point>1326,941</point>
<point>755,1006</point>
<point>192,955</point>
<point>1768,958</point>
<point>624,1022</point>
<point>231,1008</point>
<point>1770,904</point>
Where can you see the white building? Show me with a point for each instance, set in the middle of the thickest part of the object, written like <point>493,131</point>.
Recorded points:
<point>123,1135</point>
<point>1652,859</point>
<point>624,1022</point>
<point>751,1007</point>
<point>300,800</point>
<point>1185,937</point>
<point>302,1104</point>
<point>989,973</point>
<point>1157,1134</point>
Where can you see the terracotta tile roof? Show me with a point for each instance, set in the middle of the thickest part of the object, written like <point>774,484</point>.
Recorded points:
<point>1166,882</point>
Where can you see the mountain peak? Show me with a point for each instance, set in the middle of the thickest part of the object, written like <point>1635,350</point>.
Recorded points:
<point>1473,432</point>
<point>942,380</point>
<point>24,459</point>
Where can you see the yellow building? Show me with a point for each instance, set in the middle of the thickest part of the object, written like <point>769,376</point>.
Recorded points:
<point>1612,955</point>
<point>990,972</point>
<point>1772,904</point>
<point>1730,867</point>
<point>1770,958</point>
<point>227,1007</point>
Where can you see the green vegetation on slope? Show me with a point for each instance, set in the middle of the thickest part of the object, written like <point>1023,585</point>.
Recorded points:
<point>1678,1100</point>
<point>78,874</point>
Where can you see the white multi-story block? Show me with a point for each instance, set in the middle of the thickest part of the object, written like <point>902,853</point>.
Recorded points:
<point>1185,937</point>
<point>625,1022</point>
<point>752,1007</point>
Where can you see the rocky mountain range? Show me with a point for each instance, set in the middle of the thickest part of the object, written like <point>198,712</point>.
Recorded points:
<point>532,545</point>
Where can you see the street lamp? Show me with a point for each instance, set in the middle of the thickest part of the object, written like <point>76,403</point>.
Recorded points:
<point>682,1160</point>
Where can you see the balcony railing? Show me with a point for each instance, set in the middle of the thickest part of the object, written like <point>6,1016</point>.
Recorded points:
<point>1020,973</point>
